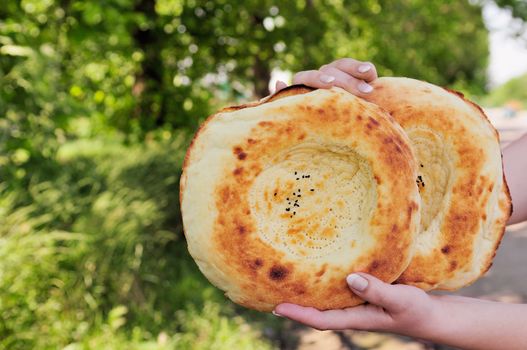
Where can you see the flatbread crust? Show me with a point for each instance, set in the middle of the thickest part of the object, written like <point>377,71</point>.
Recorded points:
<point>282,198</point>
<point>466,202</point>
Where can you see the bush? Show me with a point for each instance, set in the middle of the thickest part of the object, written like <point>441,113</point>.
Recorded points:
<point>92,255</point>
<point>513,90</point>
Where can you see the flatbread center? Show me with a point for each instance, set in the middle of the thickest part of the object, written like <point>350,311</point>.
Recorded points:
<point>313,200</point>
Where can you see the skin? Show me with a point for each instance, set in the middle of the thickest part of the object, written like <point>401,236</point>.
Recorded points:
<point>456,321</point>
<point>515,165</point>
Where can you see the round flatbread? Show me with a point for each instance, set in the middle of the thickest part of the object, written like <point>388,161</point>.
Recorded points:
<point>466,202</point>
<point>281,199</point>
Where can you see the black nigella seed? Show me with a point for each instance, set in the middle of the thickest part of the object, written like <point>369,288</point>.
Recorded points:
<point>290,216</point>
<point>275,193</point>
<point>287,198</point>
<point>295,172</point>
<point>421,165</point>
<point>294,213</point>
<point>287,209</point>
<point>312,190</point>
<point>299,195</point>
<point>298,178</point>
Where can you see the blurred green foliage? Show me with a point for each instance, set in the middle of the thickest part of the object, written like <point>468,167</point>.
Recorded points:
<point>140,65</point>
<point>95,244</point>
<point>512,91</point>
<point>518,10</point>
<point>98,101</point>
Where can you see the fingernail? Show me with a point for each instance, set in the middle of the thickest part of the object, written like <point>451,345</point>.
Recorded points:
<point>365,87</point>
<point>326,78</point>
<point>357,282</point>
<point>276,314</point>
<point>363,68</point>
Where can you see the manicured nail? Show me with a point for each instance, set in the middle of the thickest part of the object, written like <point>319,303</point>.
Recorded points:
<point>277,314</point>
<point>326,78</point>
<point>363,68</point>
<point>357,282</point>
<point>365,87</point>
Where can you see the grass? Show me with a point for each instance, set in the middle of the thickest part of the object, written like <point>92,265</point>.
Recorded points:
<point>92,256</point>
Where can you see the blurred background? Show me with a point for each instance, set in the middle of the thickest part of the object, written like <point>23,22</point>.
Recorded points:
<point>98,102</point>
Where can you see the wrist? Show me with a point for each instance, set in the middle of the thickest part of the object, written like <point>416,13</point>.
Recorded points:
<point>422,319</point>
<point>436,321</point>
<point>428,319</point>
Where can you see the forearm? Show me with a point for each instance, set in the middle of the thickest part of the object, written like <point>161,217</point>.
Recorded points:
<point>478,325</point>
<point>515,166</point>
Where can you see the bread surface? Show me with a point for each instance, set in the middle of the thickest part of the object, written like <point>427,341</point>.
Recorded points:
<point>465,199</point>
<point>281,199</point>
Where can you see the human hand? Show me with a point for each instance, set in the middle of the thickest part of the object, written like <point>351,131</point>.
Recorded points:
<point>458,321</point>
<point>347,73</point>
<point>394,308</point>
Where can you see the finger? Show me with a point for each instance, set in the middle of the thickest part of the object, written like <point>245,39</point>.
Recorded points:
<point>393,298</point>
<point>280,85</point>
<point>347,82</point>
<point>314,78</point>
<point>362,317</point>
<point>361,70</point>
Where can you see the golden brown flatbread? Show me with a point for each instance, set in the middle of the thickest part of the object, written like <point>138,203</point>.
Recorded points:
<point>466,202</point>
<point>281,199</point>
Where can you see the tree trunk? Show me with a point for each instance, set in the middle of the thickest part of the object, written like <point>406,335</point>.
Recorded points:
<point>262,75</point>
<point>261,70</point>
<point>150,107</point>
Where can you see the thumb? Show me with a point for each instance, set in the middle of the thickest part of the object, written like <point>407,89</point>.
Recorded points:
<point>280,85</point>
<point>393,298</point>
